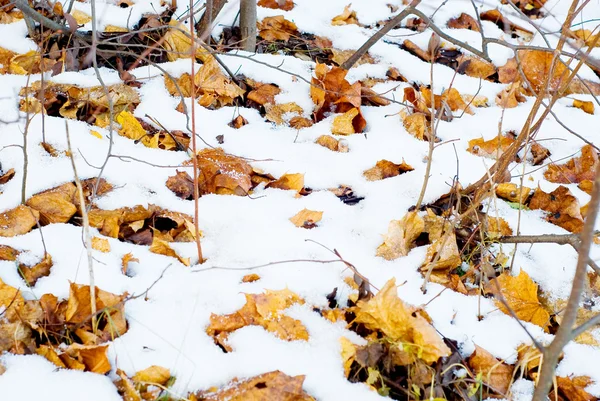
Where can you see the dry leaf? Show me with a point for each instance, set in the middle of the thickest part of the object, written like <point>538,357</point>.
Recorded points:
<point>153,375</point>
<point>520,294</point>
<point>162,247</point>
<point>250,278</point>
<point>55,205</point>
<point>343,124</point>
<point>496,374</point>
<point>562,207</point>
<point>299,122</point>
<point>494,148</point>
<point>125,260</point>
<point>576,170</point>
<point>399,322</point>
<point>573,388</point>
<point>279,112</point>
<point>214,88</point>
<point>497,227</point>
<point>177,41</point>
<point>348,354</point>
<point>126,387</point>
<point>18,221</point>
<point>181,184</point>
<point>443,253</point>
<point>386,169</point>
<point>267,386</point>
<point>416,124</point>
<point>464,21</point>
<point>345,18</point>
<point>537,66</point>
<point>340,56</point>
<point>93,357</point>
<point>512,192</point>
<point>31,274</point>
<point>276,28</point>
<point>8,253</point>
<point>510,96</point>
<point>264,93</point>
<point>101,244</point>
<point>307,218</point>
<point>263,310</point>
<point>294,182</point>
<point>6,177</point>
<point>590,39</point>
<point>222,173</point>
<point>401,236</point>
<point>584,105</point>
<point>285,5</point>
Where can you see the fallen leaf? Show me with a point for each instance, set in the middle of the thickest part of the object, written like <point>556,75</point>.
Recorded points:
<point>573,388</point>
<point>343,124</point>
<point>162,247</point>
<point>181,184</point>
<point>222,173</point>
<point>584,105</point>
<point>18,221</point>
<point>276,28</point>
<point>93,357</point>
<point>497,227</point>
<point>328,142</point>
<point>299,122</point>
<point>80,17</point>
<point>278,113</point>
<point>238,122</point>
<point>267,386</point>
<point>153,375</point>
<point>589,38</point>
<point>263,310</point>
<point>510,96</point>
<point>293,182</point>
<point>177,41</point>
<point>215,89</point>
<point>307,218</point>
<point>8,253</point>
<point>31,274</point>
<point>348,354</point>
<point>264,93</point>
<point>586,186</point>
<point>512,192</point>
<point>464,21</point>
<point>55,205</point>
<point>126,387</point>
<point>417,125</point>
<point>540,65</point>
<point>50,354</point>
<point>494,148</point>
<point>401,236</point>
<point>250,278</point>
<point>576,170</point>
<point>496,374</point>
<point>345,18</point>
<point>385,169</point>
<point>563,208</point>
<point>6,177</point>
<point>101,244</point>
<point>285,5</point>
<point>399,323</point>
<point>521,295</point>
<point>340,56</point>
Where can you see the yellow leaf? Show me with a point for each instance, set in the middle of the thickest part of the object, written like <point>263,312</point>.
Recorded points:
<point>153,375</point>
<point>93,357</point>
<point>276,28</point>
<point>178,42</point>
<point>342,124</point>
<point>521,295</point>
<point>348,354</point>
<point>131,128</point>
<point>276,113</point>
<point>345,18</point>
<point>307,218</point>
<point>55,205</point>
<point>288,181</point>
<point>512,192</point>
<point>401,235</point>
<point>18,221</point>
<point>162,247</point>
<point>128,257</point>
<point>31,274</point>
<point>96,134</point>
<point>101,244</point>
<point>214,86</point>
<point>81,17</point>
<point>115,29</point>
<point>386,169</point>
<point>398,321</point>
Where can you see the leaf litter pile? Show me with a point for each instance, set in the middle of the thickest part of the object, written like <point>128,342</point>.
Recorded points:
<point>322,278</point>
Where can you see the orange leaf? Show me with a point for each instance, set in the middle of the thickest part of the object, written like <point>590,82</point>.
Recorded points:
<point>18,221</point>
<point>276,28</point>
<point>562,207</point>
<point>576,170</point>
<point>386,169</point>
<point>307,218</point>
<point>494,373</point>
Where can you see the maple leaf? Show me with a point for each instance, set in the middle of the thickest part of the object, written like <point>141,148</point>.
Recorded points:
<point>345,18</point>
<point>521,295</point>
<point>274,385</point>
<point>496,374</point>
<point>576,170</point>
<point>263,310</point>
<point>562,207</point>
<point>307,218</point>
<point>401,236</point>
<point>276,28</point>
<point>18,221</point>
<point>386,169</point>
<point>399,322</point>
<point>285,5</point>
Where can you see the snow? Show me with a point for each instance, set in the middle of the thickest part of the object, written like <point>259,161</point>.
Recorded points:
<point>168,328</point>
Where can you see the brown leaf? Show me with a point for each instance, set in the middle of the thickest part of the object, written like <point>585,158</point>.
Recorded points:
<point>340,56</point>
<point>215,88</point>
<point>162,247</point>
<point>576,170</point>
<point>573,388</point>
<point>328,142</point>
<point>496,374</point>
<point>450,97</point>
<point>112,222</point>
<point>386,169</point>
<point>50,354</point>
<point>18,221</point>
<point>222,173</point>
<point>6,177</point>
<point>299,122</point>
<point>584,105</point>
<point>401,236</point>
<point>293,182</point>
<point>332,93</point>
<point>276,28</point>
<point>250,278</point>
<point>512,192</point>
<point>586,186</point>
<point>588,38</point>
<point>464,21</point>
<point>238,122</point>
<point>181,184</point>
<point>538,65</point>
<point>494,148</point>
<point>126,387</point>
<point>55,205</point>
<point>510,96</point>
<point>268,386</point>
<point>263,310</point>
<point>497,227</point>
<point>416,124</point>
<point>276,113</point>
<point>31,274</point>
<point>128,257</point>
<point>307,218</point>
<point>371,98</point>
<point>8,253</point>
<point>93,357</point>
<point>265,93</point>
<point>396,320</point>
<point>475,67</point>
<point>285,5</point>
<point>345,18</point>
<point>562,207</point>
<point>521,295</point>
